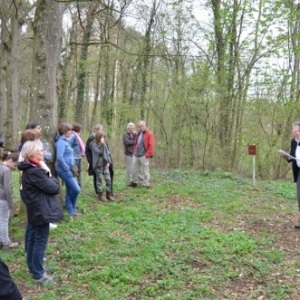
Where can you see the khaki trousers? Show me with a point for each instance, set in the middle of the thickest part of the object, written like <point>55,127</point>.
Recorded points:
<point>140,164</point>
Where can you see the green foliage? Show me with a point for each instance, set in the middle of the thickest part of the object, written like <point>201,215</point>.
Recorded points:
<point>194,235</point>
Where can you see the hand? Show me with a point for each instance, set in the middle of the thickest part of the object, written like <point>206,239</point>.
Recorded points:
<point>285,157</point>
<point>107,166</point>
<point>74,170</point>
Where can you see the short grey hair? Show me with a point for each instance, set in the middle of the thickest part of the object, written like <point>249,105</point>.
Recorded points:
<point>30,148</point>
<point>98,127</point>
<point>130,124</point>
<point>297,123</point>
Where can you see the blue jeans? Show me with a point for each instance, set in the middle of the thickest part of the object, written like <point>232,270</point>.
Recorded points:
<point>37,242</point>
<point>72,190</point>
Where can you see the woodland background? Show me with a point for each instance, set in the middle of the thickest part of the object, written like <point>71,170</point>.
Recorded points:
<point>209,77</point>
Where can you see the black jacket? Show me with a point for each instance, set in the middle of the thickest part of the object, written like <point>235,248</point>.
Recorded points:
<point>88,154</point>
<point>8,289</point>
<point>40,192</point>
<point>295,168</point>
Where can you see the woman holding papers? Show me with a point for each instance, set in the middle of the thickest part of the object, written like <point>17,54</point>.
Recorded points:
<point>295,153</point>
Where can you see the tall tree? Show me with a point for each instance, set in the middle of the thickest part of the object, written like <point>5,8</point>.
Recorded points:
<point>47,26</point>
<point>81,81</point>
<point>11,16</point>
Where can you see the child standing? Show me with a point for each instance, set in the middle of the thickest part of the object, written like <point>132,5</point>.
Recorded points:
<point>9,162</point>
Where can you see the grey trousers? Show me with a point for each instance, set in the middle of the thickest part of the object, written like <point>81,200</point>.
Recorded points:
<point>128,164</point>
<point>4,218</point>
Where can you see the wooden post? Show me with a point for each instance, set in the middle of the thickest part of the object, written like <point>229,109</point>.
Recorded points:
<point>252,151</point>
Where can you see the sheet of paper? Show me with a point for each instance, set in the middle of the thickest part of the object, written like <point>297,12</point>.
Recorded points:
<point>281,152</point>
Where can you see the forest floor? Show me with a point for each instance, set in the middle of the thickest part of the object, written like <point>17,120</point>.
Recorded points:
<point>193,235</point>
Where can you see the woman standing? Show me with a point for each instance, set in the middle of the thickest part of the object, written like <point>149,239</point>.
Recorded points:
<point>66,168</point>
<point>9,163</point>
<point>88,154</point>
<point>29,135</point>
<point>101,161</point>
<point>38,128</point>
<point>42,206</point>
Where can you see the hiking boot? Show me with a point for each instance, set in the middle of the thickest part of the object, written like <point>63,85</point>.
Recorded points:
<point>101,197</point>
<point>109,196</point>
<point>10,245</point>
<point>45,279</point>
<point>132,184</point>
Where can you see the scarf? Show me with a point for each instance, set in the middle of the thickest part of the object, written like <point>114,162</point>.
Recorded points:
<point>82,146</point>
<point>41,164</point>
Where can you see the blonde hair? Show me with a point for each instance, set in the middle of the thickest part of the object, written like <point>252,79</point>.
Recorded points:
<point>30,148</point>
<point>29,135</point>
<point>98,127</point>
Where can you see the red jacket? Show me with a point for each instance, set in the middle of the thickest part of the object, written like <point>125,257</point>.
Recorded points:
<point>148,140</point>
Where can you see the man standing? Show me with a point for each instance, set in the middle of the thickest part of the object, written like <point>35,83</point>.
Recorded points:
<point>128,142</point>
<point>295,152</point>
<point>143,150</point>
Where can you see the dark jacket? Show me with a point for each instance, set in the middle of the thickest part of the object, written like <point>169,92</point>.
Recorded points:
<point>89,157</point>
<point>8,289</point>
<point>128,142</point>
<point>40,192</point>
<point>88,153</point>
<point>295,168</point>
<point>100,155</point>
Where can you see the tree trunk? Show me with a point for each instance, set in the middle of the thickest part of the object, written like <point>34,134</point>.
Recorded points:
<point>47,26</point>
<point>10,56</point>
<point>82,68</point>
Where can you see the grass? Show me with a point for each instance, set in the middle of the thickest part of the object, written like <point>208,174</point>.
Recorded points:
<point>194,235</point>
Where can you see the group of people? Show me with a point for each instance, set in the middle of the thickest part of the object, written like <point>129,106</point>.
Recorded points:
<point>138,150</point>
<point>39,188</point>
